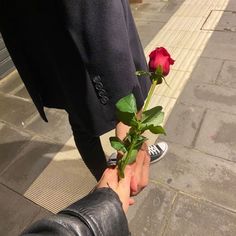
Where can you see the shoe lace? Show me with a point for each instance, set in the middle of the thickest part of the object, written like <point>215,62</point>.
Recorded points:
<point>153,150</point>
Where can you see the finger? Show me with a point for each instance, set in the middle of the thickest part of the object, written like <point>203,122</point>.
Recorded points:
<point>125,182</point>
<point>145,171</point>
<point>137,173</point>
<point>133,185</point>
<point>144,147</point>
<point>131,201</point>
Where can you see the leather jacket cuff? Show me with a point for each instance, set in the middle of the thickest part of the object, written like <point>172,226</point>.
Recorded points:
<point>102,212</point>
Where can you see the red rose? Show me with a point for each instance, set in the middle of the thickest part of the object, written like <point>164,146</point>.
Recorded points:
<point>160,57</point>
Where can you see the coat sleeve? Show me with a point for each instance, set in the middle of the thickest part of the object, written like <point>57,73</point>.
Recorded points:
<point>103,33</point>
<point>99,213</point>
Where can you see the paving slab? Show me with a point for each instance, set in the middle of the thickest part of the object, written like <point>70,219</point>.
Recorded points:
<point>183,124</point>
<point>2,45</point>
<point>57,128</point>
<point>217,135</point>
<point>149,214</point>
<point>16,212</point>
<point>231,6</point>
<point>11,143</point>
<point>227,75</point>
<point>220,50</point>
<point>10,83</point>
<point>147,30</point>
<point>15,111</point>
<point>193,217</point>
<point>151,15</point>
<point>65,180</point>
<point>43,213</point>
<point>23,93</point>
<point>176,82</point>
<point>222,99</point>
<point>198,174</point>
<point>207,70</point>
<point>6,67</point>
<point>225,38</point>
<point>3,54</point>
<point>148,10</point>
<point>30,162</point>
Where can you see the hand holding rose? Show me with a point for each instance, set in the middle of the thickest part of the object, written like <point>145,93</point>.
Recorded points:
<point>129,146</point>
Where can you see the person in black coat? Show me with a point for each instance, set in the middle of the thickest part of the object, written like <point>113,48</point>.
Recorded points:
<point>77,55</point>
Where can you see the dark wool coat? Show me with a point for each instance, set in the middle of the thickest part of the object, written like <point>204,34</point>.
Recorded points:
<point>77,55</point>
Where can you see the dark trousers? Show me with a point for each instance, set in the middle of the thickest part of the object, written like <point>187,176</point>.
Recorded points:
<point>90,149</point>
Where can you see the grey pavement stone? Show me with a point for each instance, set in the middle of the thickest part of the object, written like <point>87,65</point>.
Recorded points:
<point>152,7</point>
<point>43,213</point>
<point>149,214</point>
<point>231,6</point>
<point>206,70</point>
<point>11,142</point>
<point>148,10</point>
<point>151,15</point>
<point>57,128</point>
<point>30,162</point>
<point>147,30</point>
<point>15,111</point>
<point>222,46</point>
<point>6,67</point>
<point>198,218</point>
<point>23,93</point>
<point>223,51</point>
<point>227,75</point>
<point>16,212</point>
<point>209,96</point>
<point>7,85</point>
<point>183,124</point>
<point>217,135</point>
<point>198,174</point>
<point>222,38</point>
<point>3,54</point>
<point>2,45</point>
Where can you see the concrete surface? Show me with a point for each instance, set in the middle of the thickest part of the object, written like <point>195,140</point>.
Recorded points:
<point>191,191</point>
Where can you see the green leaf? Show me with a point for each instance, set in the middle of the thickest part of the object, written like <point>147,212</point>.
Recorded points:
<point>125,117</point>
<point>142,73</point>
<point>133,155</point>
<point>140,141</point>
<point>153,116</point>
<point>117,144</point>
<point>127,104</point>
<point>126,110</point>
<point>157,130</point>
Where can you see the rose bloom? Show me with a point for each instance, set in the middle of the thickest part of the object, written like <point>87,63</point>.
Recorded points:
<point>160,57</point>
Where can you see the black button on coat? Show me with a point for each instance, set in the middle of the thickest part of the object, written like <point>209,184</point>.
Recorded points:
<point>78,55</point>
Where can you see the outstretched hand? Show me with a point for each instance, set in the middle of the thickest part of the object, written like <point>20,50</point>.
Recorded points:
<point>140,171</point>
<point>121,187</point>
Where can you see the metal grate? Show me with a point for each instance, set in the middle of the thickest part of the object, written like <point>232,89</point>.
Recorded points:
<point>226,21</point>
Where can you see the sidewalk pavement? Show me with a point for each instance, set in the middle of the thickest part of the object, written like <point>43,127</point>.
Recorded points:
<point>191,191</point>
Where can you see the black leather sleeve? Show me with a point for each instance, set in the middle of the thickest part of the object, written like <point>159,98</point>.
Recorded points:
<point>99,213</point>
